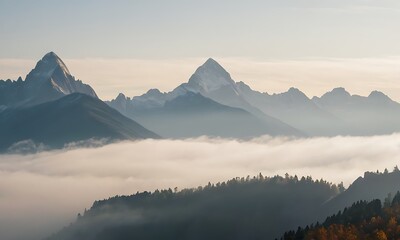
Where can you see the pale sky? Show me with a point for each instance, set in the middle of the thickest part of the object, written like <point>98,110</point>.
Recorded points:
<point>131,46</point>
<point>188,28</point>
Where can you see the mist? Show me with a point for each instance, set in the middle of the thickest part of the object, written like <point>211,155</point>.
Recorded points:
<point>43,192</point>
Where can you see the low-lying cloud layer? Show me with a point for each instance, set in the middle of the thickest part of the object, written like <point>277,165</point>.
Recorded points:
<point>42,192</point>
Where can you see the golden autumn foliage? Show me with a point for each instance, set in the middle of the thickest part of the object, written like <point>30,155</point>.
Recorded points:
<point>376,228</point>
<point>363,220</point>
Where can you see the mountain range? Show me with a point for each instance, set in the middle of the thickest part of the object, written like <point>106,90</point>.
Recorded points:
<point>211,103</point>
<point>290,113</point>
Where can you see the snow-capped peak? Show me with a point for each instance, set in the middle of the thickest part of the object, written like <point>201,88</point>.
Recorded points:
<point>209,77</point>
<point>51,73</point>
<point>45,68</point>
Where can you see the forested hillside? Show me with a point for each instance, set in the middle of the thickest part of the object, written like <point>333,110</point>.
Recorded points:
<point>247,208</point>
<point>242,208</point>
<point>363,220</point>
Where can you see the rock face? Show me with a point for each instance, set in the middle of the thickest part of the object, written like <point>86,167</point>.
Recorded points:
<point>48,81</point>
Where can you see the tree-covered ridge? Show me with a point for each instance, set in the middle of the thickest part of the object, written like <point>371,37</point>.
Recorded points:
<point>363,220</point>
<point>230,186</point>
<point>373,185</point>
<point>242,208</point>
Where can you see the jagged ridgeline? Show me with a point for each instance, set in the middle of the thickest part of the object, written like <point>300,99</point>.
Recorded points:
<point>290,113</point>
<point>209,104</point>
<point>242,208</point>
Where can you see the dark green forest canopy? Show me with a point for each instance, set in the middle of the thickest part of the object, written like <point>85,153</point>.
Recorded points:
<point>241,208</point>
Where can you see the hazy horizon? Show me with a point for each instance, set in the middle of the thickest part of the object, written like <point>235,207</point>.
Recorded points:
<point>313,76</point>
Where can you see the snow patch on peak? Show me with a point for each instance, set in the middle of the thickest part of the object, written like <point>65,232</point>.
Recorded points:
<point>45,68</point>
<point>58,88</point>
<point>209,77</point>
<point>53,61</point>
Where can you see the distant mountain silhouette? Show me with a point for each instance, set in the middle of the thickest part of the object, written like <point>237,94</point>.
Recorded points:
<point>49,80</point>
<point>296,109</point>
<point>72,118</point>
<point>213,82</point>
<point>372,115</point>
<point>190,110</point>
<point>335,113</point>
<point>193,115</point>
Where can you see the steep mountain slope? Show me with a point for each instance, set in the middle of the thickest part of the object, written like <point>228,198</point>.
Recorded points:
<point>49,80</point>
<point>210,80</point>
<point>72,118</point>
<point>213,82</point>
<point>371,186</point>
<point>293,107</point>
<point>193,115</point>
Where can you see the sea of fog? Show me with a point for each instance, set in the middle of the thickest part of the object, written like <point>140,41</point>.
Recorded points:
<point>40,193</point>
